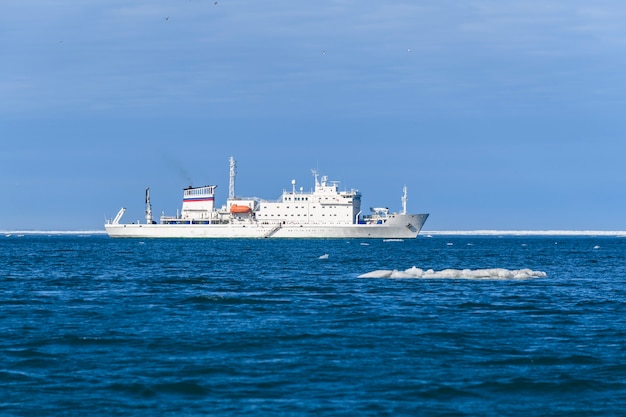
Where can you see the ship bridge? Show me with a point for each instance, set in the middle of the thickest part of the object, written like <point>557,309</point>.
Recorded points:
<point>198,202</point>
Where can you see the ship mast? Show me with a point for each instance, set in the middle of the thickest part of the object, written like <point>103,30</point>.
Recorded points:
<point>231,184</point>
<point>148,207</point>
<point>315,175</point>
<point>404,200</point>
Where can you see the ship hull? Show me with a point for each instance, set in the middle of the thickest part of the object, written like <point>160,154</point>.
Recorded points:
<point>398,226</point>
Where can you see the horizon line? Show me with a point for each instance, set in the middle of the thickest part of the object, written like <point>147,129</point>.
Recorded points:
<point>423,233</point>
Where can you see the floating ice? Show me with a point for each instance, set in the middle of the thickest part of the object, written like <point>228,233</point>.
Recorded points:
<point>492,273</point>
<point>324,256</point>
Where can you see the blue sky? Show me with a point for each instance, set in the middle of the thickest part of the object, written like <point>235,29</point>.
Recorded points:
<point>495,114</point>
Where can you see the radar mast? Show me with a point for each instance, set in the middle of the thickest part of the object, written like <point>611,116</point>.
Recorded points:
<point>404,200</point>
<point>231,184</point>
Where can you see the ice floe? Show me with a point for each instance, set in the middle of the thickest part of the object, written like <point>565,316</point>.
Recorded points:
<point>490,273</point>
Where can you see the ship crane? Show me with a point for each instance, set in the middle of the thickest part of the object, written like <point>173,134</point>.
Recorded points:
<point>119,215</point>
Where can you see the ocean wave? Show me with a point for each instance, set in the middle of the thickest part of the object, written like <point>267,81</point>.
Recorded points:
<point>490,273</point>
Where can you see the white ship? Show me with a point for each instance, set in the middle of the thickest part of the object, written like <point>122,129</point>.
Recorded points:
<point>325,212</point>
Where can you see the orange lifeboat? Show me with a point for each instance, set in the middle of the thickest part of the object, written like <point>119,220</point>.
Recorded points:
<point>235,209</point>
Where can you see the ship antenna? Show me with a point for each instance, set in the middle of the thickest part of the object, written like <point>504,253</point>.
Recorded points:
<point>231,184</point>
<point>404,200</point>
<point>148,207</point>
<point>315,175</point>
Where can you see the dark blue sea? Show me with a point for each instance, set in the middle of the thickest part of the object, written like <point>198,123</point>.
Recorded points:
<point>495,326</point>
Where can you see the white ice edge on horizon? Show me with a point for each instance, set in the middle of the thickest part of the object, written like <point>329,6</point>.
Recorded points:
<point>53,232</point>
<point>423,233</point>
